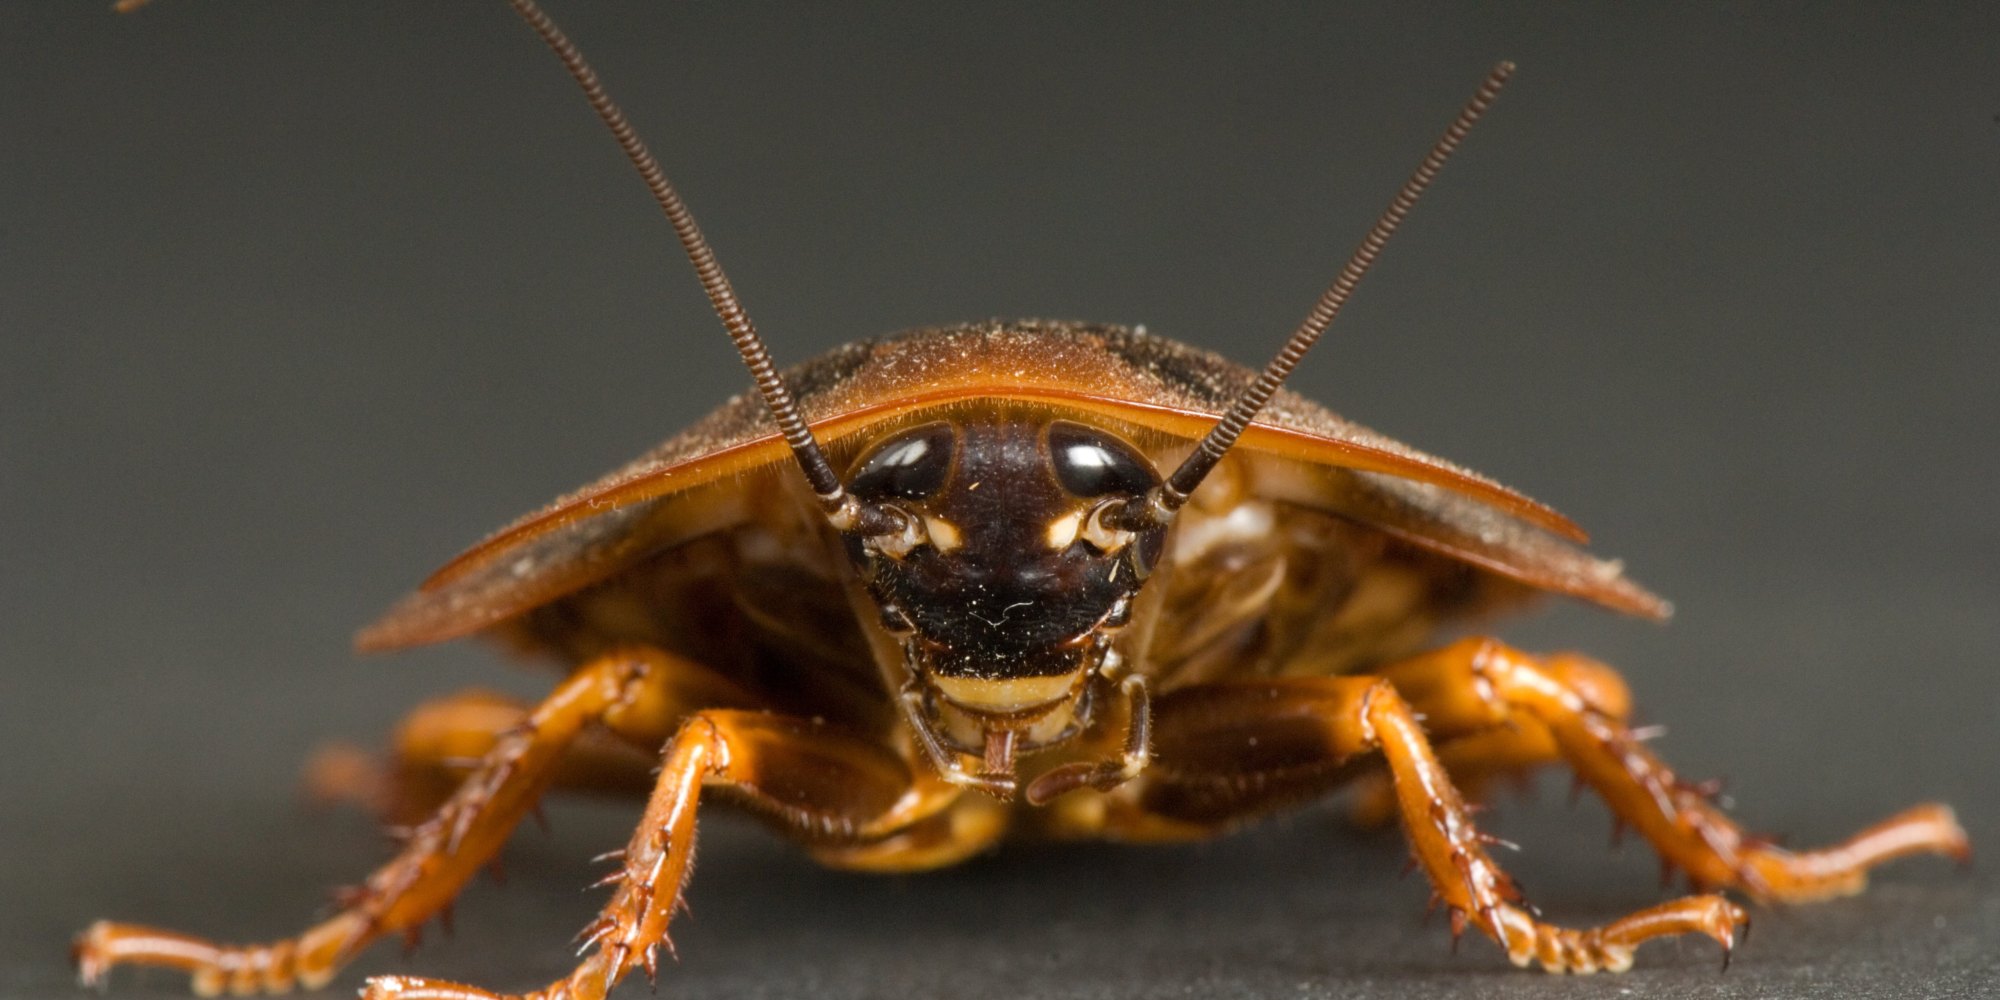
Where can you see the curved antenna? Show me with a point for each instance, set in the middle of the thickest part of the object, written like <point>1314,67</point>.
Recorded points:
<point>1233,423</point>
<point>819,472</point>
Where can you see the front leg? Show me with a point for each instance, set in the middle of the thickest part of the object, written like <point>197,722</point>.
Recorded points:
<point>828,787</point>
<point>1480,692</point>
<point>637,693</point>
<point>1227,750</point>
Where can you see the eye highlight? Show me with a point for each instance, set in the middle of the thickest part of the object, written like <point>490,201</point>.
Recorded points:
<point>910,466</point>
<point>1091,463</point>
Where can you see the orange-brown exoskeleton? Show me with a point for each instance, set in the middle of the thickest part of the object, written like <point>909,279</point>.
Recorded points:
<point>1018,577</point>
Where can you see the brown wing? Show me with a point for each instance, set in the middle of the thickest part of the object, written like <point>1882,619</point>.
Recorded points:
<point>685,487</point>
<point>1437,520</point>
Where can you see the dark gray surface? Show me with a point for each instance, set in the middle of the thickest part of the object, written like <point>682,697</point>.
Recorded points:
<point>299,298</point>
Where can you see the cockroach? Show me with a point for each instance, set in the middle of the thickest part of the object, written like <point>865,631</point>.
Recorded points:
<point>1060,579</point>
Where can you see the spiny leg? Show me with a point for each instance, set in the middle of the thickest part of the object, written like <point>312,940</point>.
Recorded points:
<point>827,786</point>
<point>1478,686</point>
<point>1476,761</point>
<point>440,742</point>
<point>634,693</point>
<point>1480,758</point>
<point>1230,750</point>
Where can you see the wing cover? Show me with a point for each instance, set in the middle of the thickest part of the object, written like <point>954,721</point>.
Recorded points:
<point>683,487</point>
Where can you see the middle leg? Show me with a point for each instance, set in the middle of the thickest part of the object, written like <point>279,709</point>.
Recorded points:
<point>831,789</point>
<point>1230,750</point>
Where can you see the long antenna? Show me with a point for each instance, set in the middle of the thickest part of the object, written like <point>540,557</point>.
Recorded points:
<point>1225,433</point>
<point>819,472</point>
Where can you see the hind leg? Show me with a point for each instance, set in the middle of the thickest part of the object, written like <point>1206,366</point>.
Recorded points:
<point>634,693</point>
<point>1481,691</point>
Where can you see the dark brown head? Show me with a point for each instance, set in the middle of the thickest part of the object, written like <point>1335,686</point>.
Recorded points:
<point>1002,557</point>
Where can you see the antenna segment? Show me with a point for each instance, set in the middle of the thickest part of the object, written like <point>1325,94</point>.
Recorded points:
<point>1224,434</point>
<point>819,472</point>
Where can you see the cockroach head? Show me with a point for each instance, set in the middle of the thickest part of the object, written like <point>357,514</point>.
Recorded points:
<point>1003,551</point>
<point>1017,582</point>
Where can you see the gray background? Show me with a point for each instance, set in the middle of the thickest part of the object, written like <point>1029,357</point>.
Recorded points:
<point>299,298</point>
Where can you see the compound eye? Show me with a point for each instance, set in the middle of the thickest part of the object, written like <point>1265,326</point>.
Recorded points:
<point>1091,463</point>
<point>910,466</point>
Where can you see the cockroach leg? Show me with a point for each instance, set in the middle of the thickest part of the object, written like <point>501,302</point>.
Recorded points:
<point>1475,761</point>
<point>1228,750</point>
<point>821,783</point>
<point>441,741</point>
<point>635,693</point>
<point>1479,686</point>
<point>1478,757</point>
